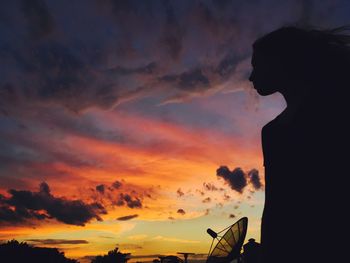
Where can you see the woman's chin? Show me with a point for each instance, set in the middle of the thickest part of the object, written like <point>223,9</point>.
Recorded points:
<point>264,92</point>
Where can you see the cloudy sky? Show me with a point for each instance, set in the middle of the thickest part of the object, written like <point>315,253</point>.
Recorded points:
<point>132,123</point>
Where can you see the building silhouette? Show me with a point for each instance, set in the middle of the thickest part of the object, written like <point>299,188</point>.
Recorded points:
<point>252,251</point>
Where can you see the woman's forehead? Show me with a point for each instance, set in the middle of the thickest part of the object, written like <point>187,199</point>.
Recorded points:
<point>261,58</point>
<point>257,57</point>
<point>253,60</point>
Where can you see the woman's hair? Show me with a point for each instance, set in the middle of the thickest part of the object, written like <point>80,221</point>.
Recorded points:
<point>317,56</point>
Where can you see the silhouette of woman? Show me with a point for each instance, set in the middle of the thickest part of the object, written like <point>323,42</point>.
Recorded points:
<point>305,148</point>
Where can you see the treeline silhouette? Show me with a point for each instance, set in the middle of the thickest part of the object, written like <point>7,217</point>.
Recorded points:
<point>113,256</point>
<point>20,252</point>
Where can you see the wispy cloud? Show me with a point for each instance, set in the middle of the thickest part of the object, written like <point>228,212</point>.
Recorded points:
<point>57,241</point>
<point>126,218</point>
<point>138,237</point>
<point>177,240</point>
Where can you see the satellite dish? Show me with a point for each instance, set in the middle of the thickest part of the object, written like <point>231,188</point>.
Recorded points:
<point>229,245</point>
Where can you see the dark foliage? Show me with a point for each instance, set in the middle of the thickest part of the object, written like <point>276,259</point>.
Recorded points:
<point>16,252</point>
<point>114,256</point>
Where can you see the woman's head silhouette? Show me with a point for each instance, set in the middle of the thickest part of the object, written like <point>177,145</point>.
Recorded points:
<point>291,60</point>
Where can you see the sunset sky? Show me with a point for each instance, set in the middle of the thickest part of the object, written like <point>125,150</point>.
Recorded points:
<point>133,123</point>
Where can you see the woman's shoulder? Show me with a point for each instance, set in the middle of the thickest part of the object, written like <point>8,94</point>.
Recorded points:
<point>282,121</point>
<point>272,125</point>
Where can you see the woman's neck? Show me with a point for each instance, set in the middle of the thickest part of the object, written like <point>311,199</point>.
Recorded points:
<point>295,96</point>
<point>294,99</point>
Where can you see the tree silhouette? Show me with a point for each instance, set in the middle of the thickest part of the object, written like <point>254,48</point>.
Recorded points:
<point>20,252</point>
<point>114,256</point>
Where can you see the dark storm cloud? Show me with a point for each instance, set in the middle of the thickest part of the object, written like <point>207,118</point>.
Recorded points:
<point>39,19</point>
<point>173,33</point>
<point>221,3</point>
<point>58,241</point>
<point>210,187</point>
<point>231,216</point>
<point>237,179</point>
<point>200,192</point>
<point>111,53</point>
<point>132,17</point>
<point>36,148</point>
<point>57,74</point>
<point>206,17</point>
<point>191,80</point>
<point>177,49</point>
<point>226,197</point>
<point>120,7</point>
<point>148,69</point>
<point>10,216</point>
<point>306,12</point>
<point>181,211</point>
<point>228,64</point>
<point>117,185</point>
<point>126,218</point>
<point>51,71</point>
<point>206,200</point>
<point>80,73</point>
<point>24,205</point>
<point>101,188</point>
<point>254,178</point>
<point>129,201</point>
<point>199,80</point>
<point>179,192</point>
<point>120,193</point>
